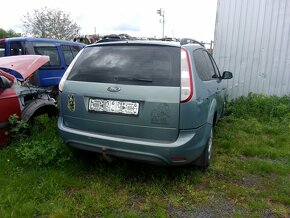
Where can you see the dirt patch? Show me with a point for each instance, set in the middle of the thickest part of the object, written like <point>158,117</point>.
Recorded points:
<point>217,207</point>
<point>251,181</point>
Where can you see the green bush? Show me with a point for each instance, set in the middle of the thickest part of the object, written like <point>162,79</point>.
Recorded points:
<point>44,147</point>
<point>18,129</point>
<point>43,153</point>
<point>260,106</point>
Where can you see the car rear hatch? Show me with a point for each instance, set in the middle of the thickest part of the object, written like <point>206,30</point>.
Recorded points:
<point>125,90</point>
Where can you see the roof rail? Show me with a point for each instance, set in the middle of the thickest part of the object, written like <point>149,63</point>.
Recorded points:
<point>125,37</point>
<point>168,39</point>
<point>185,41</point>
<point>115,37</point>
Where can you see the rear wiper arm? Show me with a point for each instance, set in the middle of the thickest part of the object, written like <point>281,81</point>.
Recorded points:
<point>141,79</point>
<point>133,79</point>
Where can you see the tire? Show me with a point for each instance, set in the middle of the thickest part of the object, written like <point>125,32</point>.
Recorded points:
<point>204,160</point>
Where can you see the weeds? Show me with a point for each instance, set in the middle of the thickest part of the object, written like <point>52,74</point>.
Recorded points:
<point>18,128</point>
<point>260,107</point>
<point>249,176</point>
<point>43,153</point>
<point>43,147</point>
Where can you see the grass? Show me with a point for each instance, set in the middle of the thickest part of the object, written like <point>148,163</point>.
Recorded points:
<point>249,176</point>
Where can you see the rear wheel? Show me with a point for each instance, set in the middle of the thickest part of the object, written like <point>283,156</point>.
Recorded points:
<point>204,160</point>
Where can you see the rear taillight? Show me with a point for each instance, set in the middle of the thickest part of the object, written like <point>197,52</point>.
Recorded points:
<point>65,75</point>
<point>186,84</point>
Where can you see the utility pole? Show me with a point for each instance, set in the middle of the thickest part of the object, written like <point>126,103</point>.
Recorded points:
<point>161,12</point>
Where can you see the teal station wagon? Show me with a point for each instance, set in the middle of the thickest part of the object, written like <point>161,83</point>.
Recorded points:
<point>150,101</point>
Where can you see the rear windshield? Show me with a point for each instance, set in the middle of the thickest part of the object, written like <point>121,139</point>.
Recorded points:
<point>129,64</point>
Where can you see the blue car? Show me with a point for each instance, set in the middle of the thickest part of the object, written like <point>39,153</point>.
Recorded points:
<point>61,54</point>
<point>151,101</point>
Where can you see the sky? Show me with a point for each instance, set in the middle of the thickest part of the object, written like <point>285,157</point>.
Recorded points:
<point>183,18</point>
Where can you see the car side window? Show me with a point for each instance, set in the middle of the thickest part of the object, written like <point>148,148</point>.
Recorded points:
<point>204,66</point>
<point>2,48</point>
<point>16,48</point>
<point>50,50</point>
<point>75,50</point>
<point>217,71</point>
<point>69,52</point>
<point>211,69</point>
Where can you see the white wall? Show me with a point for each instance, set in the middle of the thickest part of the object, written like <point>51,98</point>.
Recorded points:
<point>252,40</point>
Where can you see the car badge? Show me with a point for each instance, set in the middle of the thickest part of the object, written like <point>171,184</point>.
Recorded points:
<point>71,104</point>
<point>114,89</point>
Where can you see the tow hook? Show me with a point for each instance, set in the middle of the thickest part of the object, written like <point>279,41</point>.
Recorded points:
<point>105,156</point>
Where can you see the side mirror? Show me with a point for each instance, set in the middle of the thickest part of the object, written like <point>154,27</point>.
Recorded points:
<point>4,83</point>
<point>227,75</point>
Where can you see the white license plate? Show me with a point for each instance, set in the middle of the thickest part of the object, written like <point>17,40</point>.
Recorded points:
<point>113,106</point>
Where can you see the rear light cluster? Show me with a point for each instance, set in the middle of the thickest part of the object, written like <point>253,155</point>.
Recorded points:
<point>186,83</point>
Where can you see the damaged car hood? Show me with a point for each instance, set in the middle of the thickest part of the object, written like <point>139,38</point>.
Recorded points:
<point>25,65</point>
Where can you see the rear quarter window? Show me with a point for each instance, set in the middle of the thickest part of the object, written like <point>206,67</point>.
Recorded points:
<point>204,66</point>
<point>129,64</point>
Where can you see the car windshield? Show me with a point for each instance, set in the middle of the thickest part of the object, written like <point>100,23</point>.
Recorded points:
<point>129,64</point>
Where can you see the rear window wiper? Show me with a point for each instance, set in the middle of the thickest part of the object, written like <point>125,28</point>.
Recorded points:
<point>133,79</point>
<point>141,79</point>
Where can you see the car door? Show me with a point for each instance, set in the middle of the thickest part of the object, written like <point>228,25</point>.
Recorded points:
<point>219,89</point>
<point>8,100</point>
<point>208,84</point>
<point>9,105</point>
<point>51,73</point>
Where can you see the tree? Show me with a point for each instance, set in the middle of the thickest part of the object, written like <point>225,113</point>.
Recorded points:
<point>50,23</point>
<point>8,34</point>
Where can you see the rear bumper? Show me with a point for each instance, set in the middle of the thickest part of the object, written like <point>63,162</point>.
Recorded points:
<point>188,146</point>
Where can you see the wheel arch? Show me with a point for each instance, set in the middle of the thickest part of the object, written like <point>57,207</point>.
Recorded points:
<point>38,107</point>
<point>212,114</point>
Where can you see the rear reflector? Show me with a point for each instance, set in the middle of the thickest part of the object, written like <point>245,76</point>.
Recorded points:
<point>186,85</point>
<point>178,159</point>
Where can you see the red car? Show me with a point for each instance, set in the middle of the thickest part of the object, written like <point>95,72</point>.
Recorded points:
<point>19,96</point>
